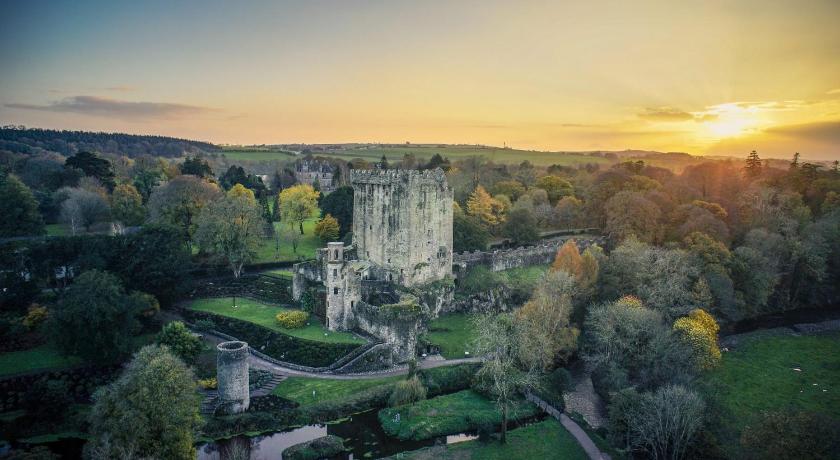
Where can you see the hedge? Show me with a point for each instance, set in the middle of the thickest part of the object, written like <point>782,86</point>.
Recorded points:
<point>275,344</point>
<point>292,319</point>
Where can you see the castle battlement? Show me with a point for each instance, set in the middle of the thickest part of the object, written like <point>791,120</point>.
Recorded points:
<point>393,176</point>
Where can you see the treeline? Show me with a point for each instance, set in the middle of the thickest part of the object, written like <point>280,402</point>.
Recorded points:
<point>34,140</point>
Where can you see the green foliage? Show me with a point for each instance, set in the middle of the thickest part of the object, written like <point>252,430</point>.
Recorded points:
<point>292,319</point>
<point>788,435</point>
<point>555,187</point>
<point>468,234</point>
<point>230,229</point>
<point>339,204</point>
<point>196,166</point>
<point>297,203</point>
<point>47,400</point>
<point>93,166</point>
<point>407,391</point>
<point>95,319</point>
<point>481,279</point>
<point>324,447</point>
<point>127,205</point>
<point>155,396</point>
<point>183,343</point>
<point>16,292</point>
<point>18,208</point>
<point>521,226</point>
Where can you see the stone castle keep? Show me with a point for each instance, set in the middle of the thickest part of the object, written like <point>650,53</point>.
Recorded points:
<point>402,234</point>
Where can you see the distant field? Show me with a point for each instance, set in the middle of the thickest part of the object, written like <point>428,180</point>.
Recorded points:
<point>44,357</point>
<point>257,155</point>
<point>498,155</point>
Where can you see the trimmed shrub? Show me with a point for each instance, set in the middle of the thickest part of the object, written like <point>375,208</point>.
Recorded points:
<point>205,325</point>
<point>407,392</point>
<point>292,319</point>
<point>35,316</point>
<point>180,341</point>
<point>208,384</point>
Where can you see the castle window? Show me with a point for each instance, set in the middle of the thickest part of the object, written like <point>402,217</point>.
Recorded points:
<point>335,272</point>
<point>335,290</point>
<point>352,303</point>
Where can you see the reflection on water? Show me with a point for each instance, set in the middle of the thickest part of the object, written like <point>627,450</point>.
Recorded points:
<point>362,433</point>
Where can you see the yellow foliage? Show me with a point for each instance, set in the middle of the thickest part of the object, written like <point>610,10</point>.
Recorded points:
<point>240,190</point>
<point>292,319</point>
<point>208,384</point>
<point>630,301</point>
<point>568,259</point>
<point>699,329</point>
<point>35,316</point>
<point>484,206</point>
<point>589,269</point>
<point>327,228</point>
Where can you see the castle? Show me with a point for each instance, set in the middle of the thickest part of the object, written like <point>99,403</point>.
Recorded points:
<point>402,234</point>
<point>312,172</point>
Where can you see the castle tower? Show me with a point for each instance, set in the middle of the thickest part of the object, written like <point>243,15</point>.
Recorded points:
<point>334,281</point>
<point>232,377</point>
<point>402,222</point>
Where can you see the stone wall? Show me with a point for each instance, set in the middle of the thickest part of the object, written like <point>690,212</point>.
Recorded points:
<point>397,328</point>
<point>402,222</point>
<point>232,377</point>
<point>526,256</point>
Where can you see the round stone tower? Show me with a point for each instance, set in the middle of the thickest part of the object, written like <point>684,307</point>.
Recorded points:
<point>232,377</point>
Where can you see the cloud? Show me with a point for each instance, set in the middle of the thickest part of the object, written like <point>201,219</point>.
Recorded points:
<point>121,88</point>
<point>665,114</point>
<point>823,131</point>
<point>834,91</point>
<point>107,107</point>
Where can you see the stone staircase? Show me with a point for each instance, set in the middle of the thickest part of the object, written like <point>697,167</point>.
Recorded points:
<point>211,397</point>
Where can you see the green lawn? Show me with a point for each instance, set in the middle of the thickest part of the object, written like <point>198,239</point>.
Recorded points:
<point>264,315</point>
<point>43,357</point>
<point>299,389</point>
<point>453,333</point>
<point>256,154</point>
<point>758,375</point>
<point>56,229</point>
<point>546,439</point>
<point>270,251</point>
<point>449,414</point>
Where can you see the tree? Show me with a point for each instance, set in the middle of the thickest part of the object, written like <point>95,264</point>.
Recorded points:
<point>93,166</point>
<point>82,208</point>
<point>298,203</point>
<point>667,420</point>
<point>547,336</point>
<point>568,259</point>
<point>179,202</point>
<point>196,166</point>
<point>481,205</point>
<point>127,205</point>
<point>699,330</point>
<point>555,187</point>
<point>156,396</point>
<point>521,227</point>
<point>753,165</point>
<point>630,213</point>
<point>240,190</point>
<point>567,212</point>
<point>292,235</point>
<point>497,338</point>
<point>468,234</point>
<point>155,259</point>
<point>789,435</point>
<point>236,175</point>
<point>183,343</point>
<point>18,208</point>
<point>339,204</point>
<point>511,188</point>
<point>96,318</point>
<point>327,228</point>
<point>230,229</point>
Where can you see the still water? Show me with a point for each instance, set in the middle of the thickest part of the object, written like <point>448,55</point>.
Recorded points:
<point>362,434</point>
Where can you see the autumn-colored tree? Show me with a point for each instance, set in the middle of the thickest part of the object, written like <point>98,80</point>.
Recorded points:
<point>297,204</point>
<point>699,329</point>
<point>567,212</point>
<point>480,204</point>
<point>240,190</point>
<point>127,205</point>
<point>327,228</point>
<point>555,187</point>
<point>547,335</point>
<point>568,259</point>
<point>589,268</point>
<point>511,188</point>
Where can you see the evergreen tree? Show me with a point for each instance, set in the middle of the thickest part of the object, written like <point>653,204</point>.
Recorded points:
<point>753,167</point>
<point>18,209</point>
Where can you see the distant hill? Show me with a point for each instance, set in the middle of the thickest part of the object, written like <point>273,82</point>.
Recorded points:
<point>32,140</point>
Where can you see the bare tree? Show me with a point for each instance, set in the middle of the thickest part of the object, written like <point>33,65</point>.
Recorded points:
<point>230,229</point>
<point>83,208</point>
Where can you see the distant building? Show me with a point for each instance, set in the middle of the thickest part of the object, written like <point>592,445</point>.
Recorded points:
<point>312,172</point>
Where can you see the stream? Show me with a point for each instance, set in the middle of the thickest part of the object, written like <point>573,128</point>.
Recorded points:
<point>362,433</point>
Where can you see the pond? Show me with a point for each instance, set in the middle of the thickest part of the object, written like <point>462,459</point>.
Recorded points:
<point>362,434</point>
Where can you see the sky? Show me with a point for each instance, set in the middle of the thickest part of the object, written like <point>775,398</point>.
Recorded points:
<point>704,77</point>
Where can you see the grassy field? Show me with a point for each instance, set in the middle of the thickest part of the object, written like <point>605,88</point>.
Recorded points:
<point>256,154</point>
<point>264,315</point>
<point>43,357</point>
<point>57,230</point>
<point>300,389</point>
<point>270,251</point>
<point>453,153</point>
<point>758,375</point>
<point>546,439</point>
<point>448,414</point>
<point>453,333</point>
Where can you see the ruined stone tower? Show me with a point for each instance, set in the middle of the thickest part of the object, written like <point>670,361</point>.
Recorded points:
<point>232,377</point>
<point>402,223</point>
